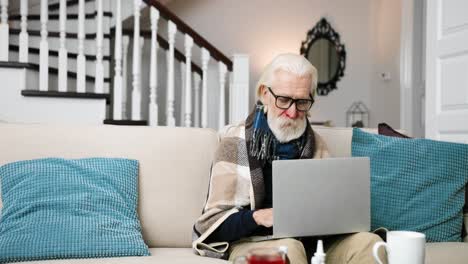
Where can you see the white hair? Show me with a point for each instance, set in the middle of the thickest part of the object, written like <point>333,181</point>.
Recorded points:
<point>290,62</point>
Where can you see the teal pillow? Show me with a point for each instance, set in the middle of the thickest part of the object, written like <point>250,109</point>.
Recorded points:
<point>416,184</point>
<point>56,208</point>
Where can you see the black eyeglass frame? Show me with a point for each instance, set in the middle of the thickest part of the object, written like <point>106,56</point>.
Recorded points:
<point>293,101</point>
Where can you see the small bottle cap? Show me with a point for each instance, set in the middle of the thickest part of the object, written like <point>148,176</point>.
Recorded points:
<point>283,249</point>
<point>320,248</point>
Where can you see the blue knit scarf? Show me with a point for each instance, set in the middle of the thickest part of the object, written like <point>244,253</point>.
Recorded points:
<point>264,145</point>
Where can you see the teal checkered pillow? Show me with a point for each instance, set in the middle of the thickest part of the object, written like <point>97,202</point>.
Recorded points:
<point>56,208</point>
<point>416,184</point>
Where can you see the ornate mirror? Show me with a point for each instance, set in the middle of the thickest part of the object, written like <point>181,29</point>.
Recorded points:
<point>325,51</point>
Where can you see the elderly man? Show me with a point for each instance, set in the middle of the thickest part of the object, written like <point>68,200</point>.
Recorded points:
<point>238,214</point>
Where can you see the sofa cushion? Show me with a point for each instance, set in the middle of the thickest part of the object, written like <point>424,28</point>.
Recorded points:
<point>416,184</point>
<point>338,139</point>
<point>450,252</point>
<point>56,208</point>
<point>386,130</point>
<point>158,255</point>
<point>174,167</point>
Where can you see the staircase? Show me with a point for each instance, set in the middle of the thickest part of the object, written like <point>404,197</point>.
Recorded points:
<point>72,61</point>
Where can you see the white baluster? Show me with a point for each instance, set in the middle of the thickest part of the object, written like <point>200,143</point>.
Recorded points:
<point>172,29</point>
<point>182,92</point>
<point>196,88</point>
<point>188,80</point>
<point>81,59</point>
<point>168,55</point>
<point>205,55</point>
<point>23,37</point>
<point>99,78</point>
<point>142,44</point>
<point>136,91</point>
<point>44,49</point>
<point>126,43</point>
<point>222,105</point>
<point>153,104</point>
<point>63,53</point>
<point>118,91</point>
<point>4,30</point>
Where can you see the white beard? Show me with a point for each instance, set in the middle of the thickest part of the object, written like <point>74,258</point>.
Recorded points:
<point>286,129</point>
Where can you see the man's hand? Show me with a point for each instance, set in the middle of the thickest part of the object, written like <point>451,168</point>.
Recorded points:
<point>264,217</point>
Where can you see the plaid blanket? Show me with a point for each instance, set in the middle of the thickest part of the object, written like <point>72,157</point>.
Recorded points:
<point>236,182</point>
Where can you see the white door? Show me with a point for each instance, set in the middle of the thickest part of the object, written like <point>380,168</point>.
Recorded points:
<point>447,70</point>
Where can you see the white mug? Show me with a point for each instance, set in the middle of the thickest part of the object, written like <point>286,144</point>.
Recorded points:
<point>403,247</point>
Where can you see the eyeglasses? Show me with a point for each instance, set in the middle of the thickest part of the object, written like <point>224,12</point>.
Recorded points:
<point>284,102</point>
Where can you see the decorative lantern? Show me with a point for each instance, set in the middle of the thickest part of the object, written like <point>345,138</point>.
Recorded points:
<point>357,115</point>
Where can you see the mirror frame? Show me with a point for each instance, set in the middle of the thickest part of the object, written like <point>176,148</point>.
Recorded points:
<point>323,30</point>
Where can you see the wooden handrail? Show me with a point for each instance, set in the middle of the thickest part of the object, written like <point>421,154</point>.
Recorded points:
<point>165,45</point>
<point>184,28</point>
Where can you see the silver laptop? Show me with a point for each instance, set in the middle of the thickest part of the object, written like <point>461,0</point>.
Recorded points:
<point>321,196</point>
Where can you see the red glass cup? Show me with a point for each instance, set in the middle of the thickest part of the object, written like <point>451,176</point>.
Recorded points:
<point>263,256</point>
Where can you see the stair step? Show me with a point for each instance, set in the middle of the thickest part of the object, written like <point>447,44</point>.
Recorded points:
<point>56,6</point>
<point>72,43</point>
<point>56,54</point>
<point>14,64</point>
<point>90,64</point>
<point>89,7</point>
<point>16,31</point>
<point>71,25</point>
<point>36,93</point>
<point>126,122</point>
<point>57,16</point>
<point>70,74</point>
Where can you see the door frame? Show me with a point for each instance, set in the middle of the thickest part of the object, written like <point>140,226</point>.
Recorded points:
<point>412,67</point>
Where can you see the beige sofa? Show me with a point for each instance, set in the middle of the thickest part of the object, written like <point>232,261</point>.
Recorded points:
<point>174,175</point>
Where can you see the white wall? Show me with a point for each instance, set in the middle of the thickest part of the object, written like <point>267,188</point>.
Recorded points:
<point>385,36</point>
<point>263,29</point>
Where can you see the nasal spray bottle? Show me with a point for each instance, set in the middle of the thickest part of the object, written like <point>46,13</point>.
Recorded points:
<point>319,256</point>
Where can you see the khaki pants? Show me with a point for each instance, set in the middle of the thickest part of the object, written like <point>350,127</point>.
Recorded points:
<point>350,249</point>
